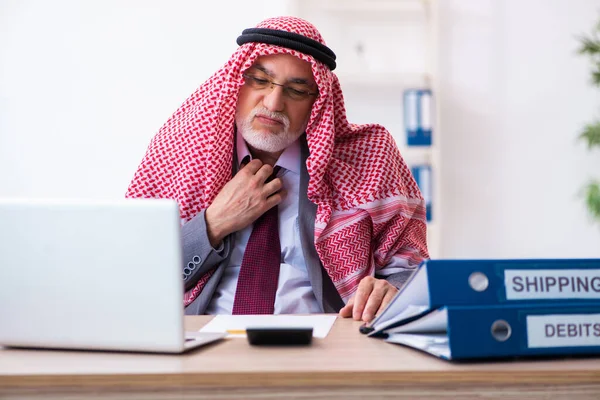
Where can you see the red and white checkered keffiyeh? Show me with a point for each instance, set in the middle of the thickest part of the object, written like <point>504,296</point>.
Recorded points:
<point>370,214</point>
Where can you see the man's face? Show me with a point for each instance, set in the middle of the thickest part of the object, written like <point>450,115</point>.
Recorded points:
<point>270,119</point>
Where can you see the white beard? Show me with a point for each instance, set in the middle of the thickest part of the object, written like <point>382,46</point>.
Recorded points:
<point>265,140</point>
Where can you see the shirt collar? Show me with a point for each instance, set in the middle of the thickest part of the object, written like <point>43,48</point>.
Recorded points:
<point>289,159</point>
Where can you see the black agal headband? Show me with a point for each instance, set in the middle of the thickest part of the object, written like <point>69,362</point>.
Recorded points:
<point>289,40</point>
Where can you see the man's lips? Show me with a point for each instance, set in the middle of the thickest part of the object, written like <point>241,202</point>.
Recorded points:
<point>268,121</point>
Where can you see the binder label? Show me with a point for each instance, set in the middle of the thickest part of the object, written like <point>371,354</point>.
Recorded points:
<point>532,284</point>
<point>566,330</point>
<point>411,111</point>
<point>426,110</point>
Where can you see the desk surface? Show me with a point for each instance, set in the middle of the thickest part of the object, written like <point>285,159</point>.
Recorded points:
<point>344,359</point>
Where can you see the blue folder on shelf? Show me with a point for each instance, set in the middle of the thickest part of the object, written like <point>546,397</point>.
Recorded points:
<point>418,117</point>
<point>445,283</point>
<point>515,330</point>
<point>422,175</point>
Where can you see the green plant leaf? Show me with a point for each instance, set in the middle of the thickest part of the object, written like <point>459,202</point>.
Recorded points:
<point>592,199</point>
<point>589,46</point>
<point>591,134</point>
<point>596,76</point>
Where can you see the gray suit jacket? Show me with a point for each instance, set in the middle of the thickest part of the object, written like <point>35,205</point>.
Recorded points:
<point>200,257</point>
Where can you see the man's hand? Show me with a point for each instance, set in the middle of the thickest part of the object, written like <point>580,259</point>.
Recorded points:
<point>242,200</point>
<point>372,296</point>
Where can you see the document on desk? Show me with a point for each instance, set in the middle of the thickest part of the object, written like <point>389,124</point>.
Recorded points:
<point>321,324</point>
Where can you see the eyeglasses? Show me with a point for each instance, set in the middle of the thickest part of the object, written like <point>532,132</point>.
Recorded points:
<point>289,90</point>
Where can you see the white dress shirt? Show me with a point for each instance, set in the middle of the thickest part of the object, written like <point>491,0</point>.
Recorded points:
<point>294,291</point>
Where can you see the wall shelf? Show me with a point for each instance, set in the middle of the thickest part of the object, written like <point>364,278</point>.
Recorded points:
<point>399,80</point>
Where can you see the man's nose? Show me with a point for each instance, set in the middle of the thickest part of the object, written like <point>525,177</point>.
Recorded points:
<point>274,99</point>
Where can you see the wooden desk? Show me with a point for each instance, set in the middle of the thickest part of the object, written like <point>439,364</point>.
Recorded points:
<point>344,365</point>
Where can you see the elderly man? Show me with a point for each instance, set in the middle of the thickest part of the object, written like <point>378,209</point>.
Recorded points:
<point>286,206</point>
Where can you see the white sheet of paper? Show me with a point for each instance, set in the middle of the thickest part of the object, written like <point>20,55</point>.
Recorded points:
<point>321,324</point>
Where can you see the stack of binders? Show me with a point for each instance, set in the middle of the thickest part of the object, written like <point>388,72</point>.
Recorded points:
<point>473,309</point>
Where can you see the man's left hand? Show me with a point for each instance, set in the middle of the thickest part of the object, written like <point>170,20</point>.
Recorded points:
<point>372,296</point>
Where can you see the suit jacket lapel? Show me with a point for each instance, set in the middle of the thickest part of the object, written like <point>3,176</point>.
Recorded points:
<point>325,292</point>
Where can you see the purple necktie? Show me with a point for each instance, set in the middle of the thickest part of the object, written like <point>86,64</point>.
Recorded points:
<point>259,273</point>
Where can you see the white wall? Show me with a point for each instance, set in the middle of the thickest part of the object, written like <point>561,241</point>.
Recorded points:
<point>85,85</point>
<point>514,98</point>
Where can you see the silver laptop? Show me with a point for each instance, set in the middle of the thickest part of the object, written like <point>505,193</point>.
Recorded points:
<point>94,275</point>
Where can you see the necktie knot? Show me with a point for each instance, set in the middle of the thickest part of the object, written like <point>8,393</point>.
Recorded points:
<point>274,174</point>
